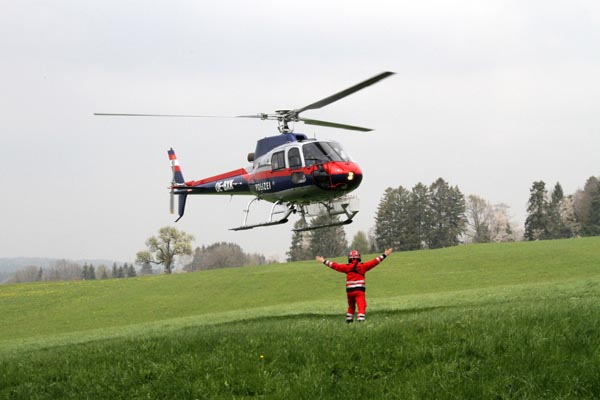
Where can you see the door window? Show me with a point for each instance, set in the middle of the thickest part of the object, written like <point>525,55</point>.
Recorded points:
<point>294,160</point>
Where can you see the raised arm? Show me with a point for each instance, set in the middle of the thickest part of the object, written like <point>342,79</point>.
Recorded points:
<point>374,262</point>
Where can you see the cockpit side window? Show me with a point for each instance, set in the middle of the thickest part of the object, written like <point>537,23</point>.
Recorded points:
<point>294,160</point>
<point>277,161</point>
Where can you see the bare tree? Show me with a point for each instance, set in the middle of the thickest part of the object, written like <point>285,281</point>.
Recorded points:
<point>163,249</point>
<point>479,213</point>
<point>63,270</point>
<point>502,228</point>
<point>360,242</point>
<point>102,272</point>
<point>488,222</point>
<point>224,255</point>
<point>569,218</point>
<point>30,273</point>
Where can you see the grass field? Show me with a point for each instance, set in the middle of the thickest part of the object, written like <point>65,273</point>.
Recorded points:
<point>496,321</point>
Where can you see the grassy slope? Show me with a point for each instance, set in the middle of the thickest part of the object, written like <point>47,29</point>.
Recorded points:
<point>41,310</point>
<point>511,321</point>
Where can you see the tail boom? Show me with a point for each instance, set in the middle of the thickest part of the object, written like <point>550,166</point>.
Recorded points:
<point>230,183</point>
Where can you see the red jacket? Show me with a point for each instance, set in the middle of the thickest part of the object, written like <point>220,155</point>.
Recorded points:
<point>355,272</point>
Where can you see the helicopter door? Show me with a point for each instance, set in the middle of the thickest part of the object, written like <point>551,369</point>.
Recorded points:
<point>277,161</point>
<point>295,162</point>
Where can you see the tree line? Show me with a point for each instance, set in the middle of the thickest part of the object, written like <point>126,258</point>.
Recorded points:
<point>172,243</point>
<point>424,217</point>
<point>439,215</point>
<point>222,255</point>
<point>162,249</point>
<point>65,270</point>
<point>329,242</point>
<point>554,215</point>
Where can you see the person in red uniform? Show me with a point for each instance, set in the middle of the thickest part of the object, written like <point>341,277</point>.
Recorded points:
<point>355,272</point>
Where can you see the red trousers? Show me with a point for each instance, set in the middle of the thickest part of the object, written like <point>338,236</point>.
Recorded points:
<point>357,298</point>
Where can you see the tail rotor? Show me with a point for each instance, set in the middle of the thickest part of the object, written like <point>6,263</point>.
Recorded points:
<point>172,199</point>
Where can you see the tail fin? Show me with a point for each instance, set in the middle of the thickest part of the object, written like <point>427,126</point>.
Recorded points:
<point>182,199</point>
<point>176,168</point>
<point>177,181</point>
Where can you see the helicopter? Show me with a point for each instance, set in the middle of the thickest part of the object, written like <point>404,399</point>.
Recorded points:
<point>298,174</point>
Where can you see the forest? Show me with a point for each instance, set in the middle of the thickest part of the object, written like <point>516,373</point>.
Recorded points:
<point>440,215</point>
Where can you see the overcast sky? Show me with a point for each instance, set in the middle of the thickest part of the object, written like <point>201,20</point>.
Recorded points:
<point>489,95</point>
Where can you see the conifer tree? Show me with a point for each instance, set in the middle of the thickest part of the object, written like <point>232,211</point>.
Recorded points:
<point>300,247</point>
<point>392,219</point>
<point>360,242</point>
<point>587,207</point>
<point>536,223</point>
<point>402,203</point>
<point>419,223</point>
<point>385,226</point>
<point>114,272</point>
<point>592,227</point>
<point>448,215</point>
<point>91,272</point>
<point>557,227</point>
<point>146,269</point>
<point>327,242</point>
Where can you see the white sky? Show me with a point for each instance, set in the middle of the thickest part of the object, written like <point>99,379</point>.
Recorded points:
<point>489,95</point>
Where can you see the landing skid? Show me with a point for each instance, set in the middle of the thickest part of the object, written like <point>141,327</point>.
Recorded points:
<point>341,206</point>
<point>270,222</point>
<point>348,220</point>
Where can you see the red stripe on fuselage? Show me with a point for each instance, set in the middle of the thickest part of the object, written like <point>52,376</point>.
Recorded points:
<point>334,167</point>
<point>226,175</point>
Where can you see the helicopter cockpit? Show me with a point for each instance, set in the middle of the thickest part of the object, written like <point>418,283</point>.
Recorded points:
<point>321,152</point>
<point>306,154</point>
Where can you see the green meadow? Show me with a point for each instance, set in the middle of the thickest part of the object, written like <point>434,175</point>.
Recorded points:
<point>494,321</point>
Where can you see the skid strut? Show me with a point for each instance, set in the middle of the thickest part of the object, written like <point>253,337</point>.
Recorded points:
<point>270,222</point>
<point>349,215</point>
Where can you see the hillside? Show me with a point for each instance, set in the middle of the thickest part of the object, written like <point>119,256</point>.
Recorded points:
<point>45,310</point>
<point>516,320</point>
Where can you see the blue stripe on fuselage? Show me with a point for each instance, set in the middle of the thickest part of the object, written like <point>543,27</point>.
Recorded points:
<point>282,188</point>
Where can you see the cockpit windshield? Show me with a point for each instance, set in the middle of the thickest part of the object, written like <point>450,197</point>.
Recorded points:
<point>320,152</point>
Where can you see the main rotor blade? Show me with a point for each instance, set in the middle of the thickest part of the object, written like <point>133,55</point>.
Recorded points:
<point>344,93</point>
<point>161,115</point>
<point>334,125</point>
<point>261,116</point>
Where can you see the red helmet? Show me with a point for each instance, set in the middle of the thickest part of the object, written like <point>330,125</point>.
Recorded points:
<point>354,255</point>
